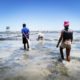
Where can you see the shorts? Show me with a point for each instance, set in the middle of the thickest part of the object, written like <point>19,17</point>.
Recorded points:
<point>66,44</point>
<point>25,40</point>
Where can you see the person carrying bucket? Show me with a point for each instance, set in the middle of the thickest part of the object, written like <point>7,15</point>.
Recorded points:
<point>25,36</point>
<point>66,39</point>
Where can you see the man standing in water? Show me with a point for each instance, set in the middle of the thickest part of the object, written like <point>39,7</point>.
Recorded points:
<point>25,36</point>
<point>66,38</point>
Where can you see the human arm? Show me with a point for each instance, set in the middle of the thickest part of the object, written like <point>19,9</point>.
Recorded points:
<point>72,37</point>
<point>59,40</point>
<point>25,33</point>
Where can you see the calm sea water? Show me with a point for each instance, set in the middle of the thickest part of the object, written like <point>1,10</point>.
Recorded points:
<point>41,62</point>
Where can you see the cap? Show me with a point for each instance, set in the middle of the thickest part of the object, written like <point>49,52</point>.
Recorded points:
<point>66,23</point>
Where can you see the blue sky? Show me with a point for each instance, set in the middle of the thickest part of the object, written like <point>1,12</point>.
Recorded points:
<point>39,14</point>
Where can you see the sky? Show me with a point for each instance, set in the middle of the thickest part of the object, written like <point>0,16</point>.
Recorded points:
<point>39,14</point>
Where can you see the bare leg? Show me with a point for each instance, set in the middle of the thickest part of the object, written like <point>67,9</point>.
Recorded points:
<point>25,46</point>
<point>28,45</point>
<point>61,52</point>
<point>68,54</point>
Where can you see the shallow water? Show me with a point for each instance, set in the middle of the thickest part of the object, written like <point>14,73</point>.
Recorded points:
<point>42,62</point>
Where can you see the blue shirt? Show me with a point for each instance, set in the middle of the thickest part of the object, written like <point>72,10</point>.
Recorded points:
<point>25,32</point>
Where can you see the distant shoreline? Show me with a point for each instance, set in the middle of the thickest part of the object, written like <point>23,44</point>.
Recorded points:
<point>33,31</point>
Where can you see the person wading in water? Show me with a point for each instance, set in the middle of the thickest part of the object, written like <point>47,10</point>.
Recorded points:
<point>66,39</point>
<point>25,36</point>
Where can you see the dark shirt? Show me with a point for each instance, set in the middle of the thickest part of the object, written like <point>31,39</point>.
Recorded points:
<point>67,35</point>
